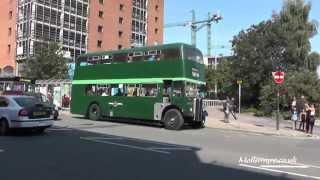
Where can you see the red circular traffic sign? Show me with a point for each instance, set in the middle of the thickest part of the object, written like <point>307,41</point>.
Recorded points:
<point>278,77</point>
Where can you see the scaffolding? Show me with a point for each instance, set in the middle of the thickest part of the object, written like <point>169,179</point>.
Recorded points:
<point>43,21</point>
<point>139,21</point>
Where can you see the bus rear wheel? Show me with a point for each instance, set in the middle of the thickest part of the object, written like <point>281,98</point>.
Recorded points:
<point>94,112</point>
<point>173,119</point>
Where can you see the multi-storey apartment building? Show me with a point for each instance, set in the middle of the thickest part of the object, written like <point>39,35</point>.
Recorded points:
<point>7,36</point>
<point>78,25</point>
<point>117,24</point>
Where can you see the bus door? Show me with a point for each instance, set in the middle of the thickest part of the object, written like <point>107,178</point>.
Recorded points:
<point>116,101</point>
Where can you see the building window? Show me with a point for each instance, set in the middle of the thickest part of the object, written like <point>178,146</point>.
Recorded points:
<point>156,31</point>
<point>10,31</point>
<point>9,48</point>
<point>156,19</point>
<point>99,43</point>
<point>120,33</point>
<point>100,1</point>
<point>119,46</point>
<point>10,14</point>
<point>157,7</point>
<point>100,28</point>
<point>120,20</point>
<point>121,7</point>
<point>101,14</point>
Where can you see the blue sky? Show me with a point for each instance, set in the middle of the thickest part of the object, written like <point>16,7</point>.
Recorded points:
<point>237,15</point>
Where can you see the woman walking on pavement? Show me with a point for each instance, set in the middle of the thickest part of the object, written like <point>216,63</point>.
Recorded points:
<point>312,118</point>
<point>294,118</point>
<point>308,113</point>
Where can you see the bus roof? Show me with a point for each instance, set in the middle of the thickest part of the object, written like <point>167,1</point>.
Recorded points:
<point>155,47</point>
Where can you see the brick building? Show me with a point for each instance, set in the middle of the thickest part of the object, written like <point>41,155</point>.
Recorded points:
<point>7,36</point>
<point>79,25</point>
<point>116,24</point>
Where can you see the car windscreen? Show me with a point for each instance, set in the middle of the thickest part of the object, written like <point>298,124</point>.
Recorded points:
<point>26,101</point>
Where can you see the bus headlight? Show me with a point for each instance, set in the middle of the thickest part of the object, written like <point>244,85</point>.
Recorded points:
<point>190,109</point>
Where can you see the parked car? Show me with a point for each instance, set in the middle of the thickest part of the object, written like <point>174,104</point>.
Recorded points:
<point>41,99</point>
<point>23,112</point>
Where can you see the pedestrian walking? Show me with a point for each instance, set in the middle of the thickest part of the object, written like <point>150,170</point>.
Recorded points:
<point>294,118</point>
<point>226,110</point>
<point>303,115</point>
<point>308,113</point>
<point>312,118</point>
<point>294,103</point>
<point>300,105</point>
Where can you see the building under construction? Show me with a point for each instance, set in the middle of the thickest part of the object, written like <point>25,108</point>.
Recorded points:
<point>62,21</point>
<point>78,25</point>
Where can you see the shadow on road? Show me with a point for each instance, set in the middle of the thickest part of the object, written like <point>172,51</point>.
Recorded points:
<point>67,155</point>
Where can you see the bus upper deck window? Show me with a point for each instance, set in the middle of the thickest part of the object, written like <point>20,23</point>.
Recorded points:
<point>169,54</point>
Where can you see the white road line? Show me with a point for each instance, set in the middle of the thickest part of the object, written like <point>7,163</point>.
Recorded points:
<point>128,146</point>
<point>141,140</point>
<point>300,164</point>
<point>278,171</point>
<point>285,166</point>
<point>59,129</point>
<point>98,138</point>
<point>171,148</point>
<point>1,150</point>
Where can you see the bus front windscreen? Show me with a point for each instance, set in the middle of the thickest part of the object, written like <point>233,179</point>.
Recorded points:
<point>191,90</point>
<point>193,54</point>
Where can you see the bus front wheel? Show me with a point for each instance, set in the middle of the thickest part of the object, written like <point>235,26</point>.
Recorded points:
<point>173,119</point>
<point>94,112</point>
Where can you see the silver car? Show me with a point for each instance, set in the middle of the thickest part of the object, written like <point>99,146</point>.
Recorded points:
<point>23,112</point>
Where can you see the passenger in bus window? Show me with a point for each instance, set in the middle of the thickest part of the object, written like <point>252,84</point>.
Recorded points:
<point>104,92</point>
<point>129,59</point>
<point>135,92</point>
<point>152,58</point>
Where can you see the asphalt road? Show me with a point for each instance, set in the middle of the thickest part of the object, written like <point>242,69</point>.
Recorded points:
<point>120,151</point>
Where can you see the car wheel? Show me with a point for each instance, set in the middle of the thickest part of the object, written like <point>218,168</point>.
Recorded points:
<point>4,128</point>
<point>173,119</point>
<point>55,116</point>
<point>94,112</point>
<point>40,130</point>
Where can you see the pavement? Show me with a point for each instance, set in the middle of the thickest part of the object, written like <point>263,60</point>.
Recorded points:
<point>80,149</point>
<point>251,124</point>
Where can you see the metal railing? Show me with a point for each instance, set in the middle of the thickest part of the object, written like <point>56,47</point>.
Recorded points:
<point>213,103</point>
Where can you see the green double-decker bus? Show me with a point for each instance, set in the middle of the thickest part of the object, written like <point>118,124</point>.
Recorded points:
<point>157,83</point>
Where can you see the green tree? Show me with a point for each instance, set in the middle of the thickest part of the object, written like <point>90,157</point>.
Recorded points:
<point>222,77</point>
<point>297,83</point>
<point>281,41</point>
<point>48,63</point>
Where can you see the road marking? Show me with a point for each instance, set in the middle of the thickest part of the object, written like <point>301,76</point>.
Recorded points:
<point>141,140</point>
<point>60,129</point>
<point>1,150</point>
<point>285,166</point>
<point>278,171</point>
<point>300,164</point>
<point>128,146</point>
<point>171,148</point>
<point>108,138</point>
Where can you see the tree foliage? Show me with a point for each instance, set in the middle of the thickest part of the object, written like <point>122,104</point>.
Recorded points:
<point>48,63</point>
<point>222,76</point>
<point>283,41</point>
